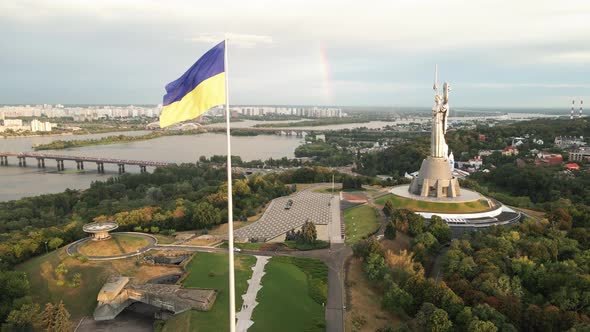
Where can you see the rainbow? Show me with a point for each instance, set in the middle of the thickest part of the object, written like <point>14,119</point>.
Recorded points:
<point>326,73</point>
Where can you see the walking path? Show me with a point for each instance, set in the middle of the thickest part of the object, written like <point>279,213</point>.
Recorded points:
<point>245,315</point>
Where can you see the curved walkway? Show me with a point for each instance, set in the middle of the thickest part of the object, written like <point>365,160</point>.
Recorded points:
<point>72,249</point>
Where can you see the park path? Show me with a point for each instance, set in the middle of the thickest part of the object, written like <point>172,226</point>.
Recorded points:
<point>245,314</point>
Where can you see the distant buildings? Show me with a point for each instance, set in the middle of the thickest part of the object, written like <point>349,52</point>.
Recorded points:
<point>471,165</point>
<point>510,151</point>
<point>581,154</point>
<point>17,125</point>
<point>305,112</point>
<point>572,167</point>
<point>486,153</point>
<point>37,125</point>
<point>549,159</point>
<point>564,142</point>
<point>78,113</point>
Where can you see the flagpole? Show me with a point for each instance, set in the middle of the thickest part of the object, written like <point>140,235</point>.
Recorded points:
<point>230,217</point>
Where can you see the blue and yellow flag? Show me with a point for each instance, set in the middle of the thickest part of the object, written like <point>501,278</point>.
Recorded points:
<point>197,90</point>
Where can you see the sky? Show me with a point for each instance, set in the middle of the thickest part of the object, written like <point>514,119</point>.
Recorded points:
<point>299,52</point>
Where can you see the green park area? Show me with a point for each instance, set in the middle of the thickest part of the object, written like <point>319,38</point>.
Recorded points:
<point>360,221</point>
<point>292,296</point>
<point>211,270</point>
<point>414,205</point>
<point>51,278</point>
<point>57,276</point>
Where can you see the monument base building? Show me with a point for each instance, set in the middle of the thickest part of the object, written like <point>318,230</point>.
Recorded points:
<point>435,179</point>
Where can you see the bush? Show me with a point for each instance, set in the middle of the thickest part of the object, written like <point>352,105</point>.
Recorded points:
<point>83,259</point>
<point>366,247</point>
<point>318,290</point>
<point>390,231</point>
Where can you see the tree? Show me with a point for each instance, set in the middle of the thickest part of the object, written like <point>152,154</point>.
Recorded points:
<point>415,224</point>
<point>55,243</point>
<point>13,286</point>
<point>477,325</point>
<point>390,231</point>
<point>374,266</point>
<point>388,208</point>
<point>424,245</point>
<point>206,215</point>
<point>397,300</point>
<point>366,247</point>
<point>308,232</point>
<point>440,229</point>
<point>55,318</point>
<point>430,318</point>
<point>27,317</point>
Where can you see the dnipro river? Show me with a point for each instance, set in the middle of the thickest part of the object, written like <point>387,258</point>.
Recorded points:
<point>17,182</point>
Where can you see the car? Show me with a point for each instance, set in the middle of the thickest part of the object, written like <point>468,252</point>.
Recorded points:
<point>236,249</point>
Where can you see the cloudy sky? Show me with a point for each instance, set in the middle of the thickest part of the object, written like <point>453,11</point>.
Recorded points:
<point>360,53</point>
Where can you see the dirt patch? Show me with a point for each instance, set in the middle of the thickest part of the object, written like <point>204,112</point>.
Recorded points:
<point>202,242</point>
<point>222,229</point>
<point>117,245</point>
<point>355,197</point>
<point>401,242</point>
<point>364,311</point>
<point>146,273</point>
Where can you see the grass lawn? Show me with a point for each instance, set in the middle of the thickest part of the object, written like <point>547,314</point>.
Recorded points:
<point>81,301</point>
<point>285,303</point>
<point>414,205</point>
<point>210,270</point>
<point>164,239</point>
<point>360,221</point>
<point>117,244</point>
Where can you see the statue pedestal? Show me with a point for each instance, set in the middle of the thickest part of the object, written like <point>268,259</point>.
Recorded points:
<point>435,179</point>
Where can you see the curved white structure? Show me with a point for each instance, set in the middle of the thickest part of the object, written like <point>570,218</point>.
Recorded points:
<point>100,230</point>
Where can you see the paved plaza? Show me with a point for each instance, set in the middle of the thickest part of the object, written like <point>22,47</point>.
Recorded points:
<point>466,195</point>
<point>322,209</point>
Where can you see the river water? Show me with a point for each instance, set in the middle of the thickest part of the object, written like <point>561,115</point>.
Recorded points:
<point>17,182</point>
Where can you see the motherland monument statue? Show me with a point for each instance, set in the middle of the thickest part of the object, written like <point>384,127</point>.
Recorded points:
<point>435,178</point>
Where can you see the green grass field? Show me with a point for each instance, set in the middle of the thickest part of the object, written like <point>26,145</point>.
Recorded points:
<point>405,203</point>
<point>79,301</point>
<point>285,303</point>
<point>210,270</point>
<point>360,221</point>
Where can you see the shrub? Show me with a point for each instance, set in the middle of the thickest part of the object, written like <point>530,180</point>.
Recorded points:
<point>390,231</point>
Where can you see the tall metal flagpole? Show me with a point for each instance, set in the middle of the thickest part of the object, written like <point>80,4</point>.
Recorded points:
<point>230,217</point>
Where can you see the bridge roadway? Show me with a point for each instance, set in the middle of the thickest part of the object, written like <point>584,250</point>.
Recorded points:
<point>22,161</point>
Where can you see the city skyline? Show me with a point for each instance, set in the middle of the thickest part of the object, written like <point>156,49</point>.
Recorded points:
<point>494,54</point>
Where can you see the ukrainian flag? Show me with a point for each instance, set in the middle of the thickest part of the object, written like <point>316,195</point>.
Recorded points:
<point>197,90</point>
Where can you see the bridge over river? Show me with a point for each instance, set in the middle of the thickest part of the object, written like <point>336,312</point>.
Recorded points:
<point>40,157</point>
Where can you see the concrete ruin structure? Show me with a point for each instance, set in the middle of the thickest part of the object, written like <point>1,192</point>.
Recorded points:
<point>118,293</point>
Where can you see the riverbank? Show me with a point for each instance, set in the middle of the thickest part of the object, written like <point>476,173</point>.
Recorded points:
<point>313,123</point>
<point>60,145</point>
